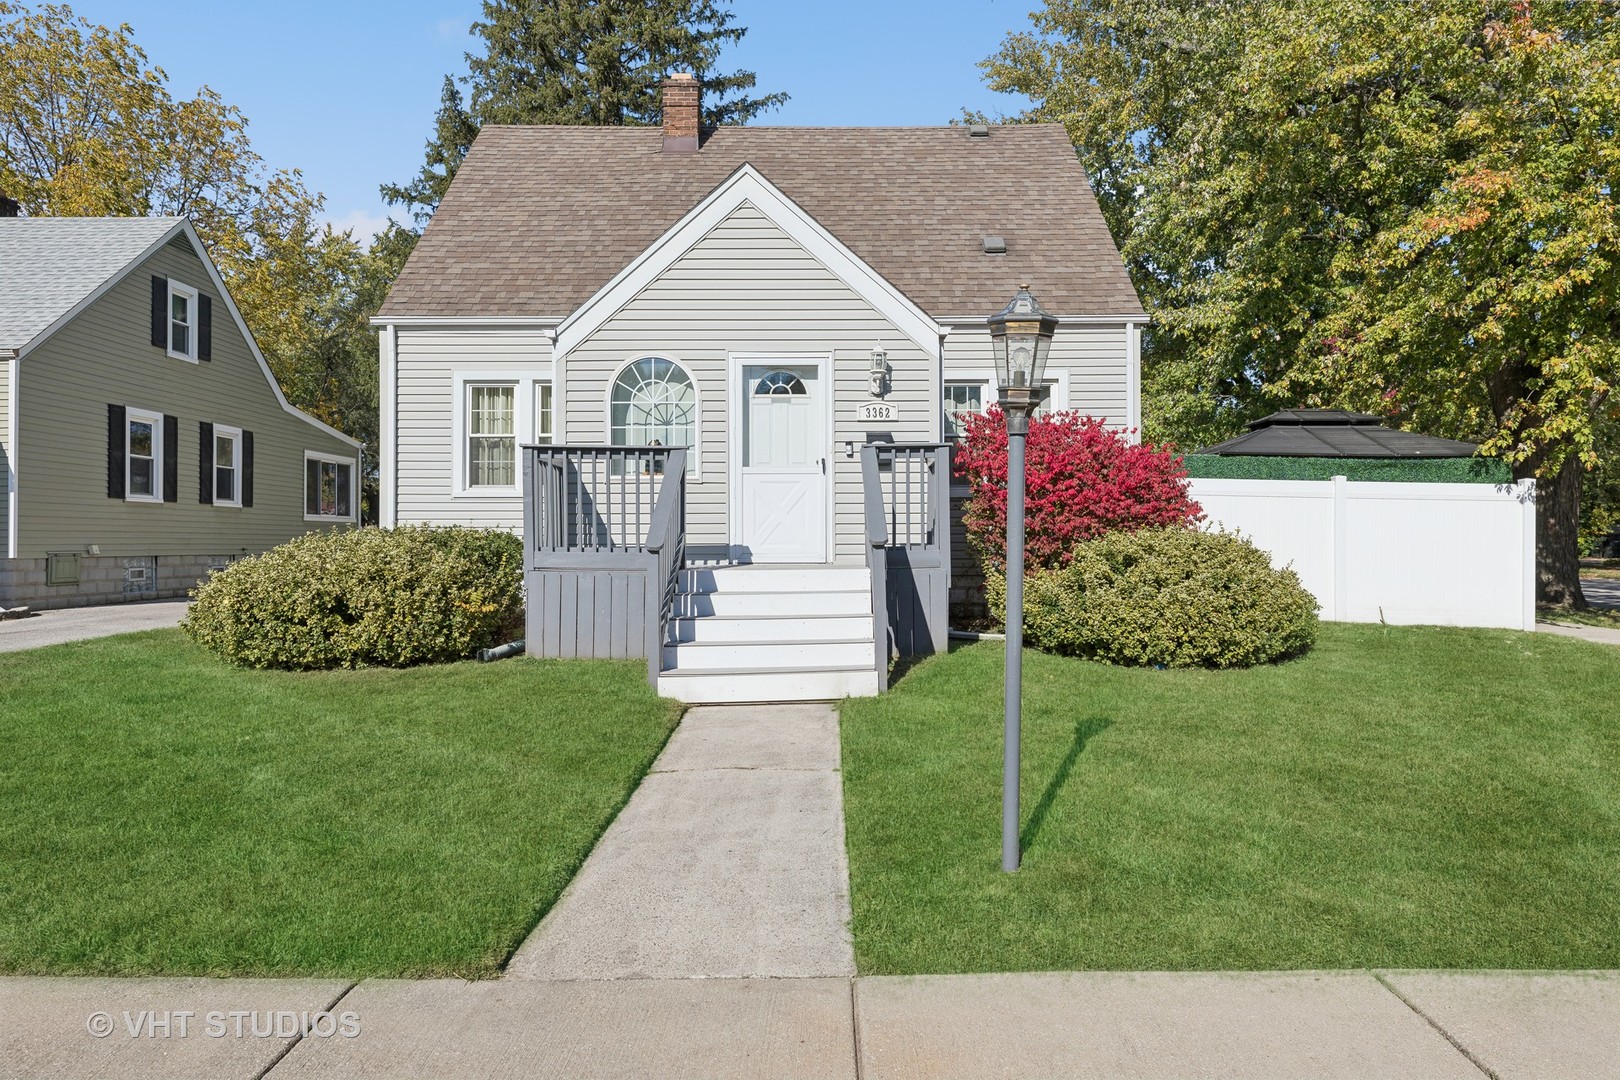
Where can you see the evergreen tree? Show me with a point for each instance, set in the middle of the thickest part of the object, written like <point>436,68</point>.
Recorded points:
<point>580,62</point>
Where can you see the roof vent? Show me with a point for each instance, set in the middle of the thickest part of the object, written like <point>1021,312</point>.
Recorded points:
<point>978,131</point>
<point>995,245</point>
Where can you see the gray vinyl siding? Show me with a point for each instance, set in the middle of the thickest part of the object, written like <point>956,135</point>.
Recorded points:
<point>1096,359</point>
<point>105,356</point>
<point>749,290</point>
<point>429,359</point>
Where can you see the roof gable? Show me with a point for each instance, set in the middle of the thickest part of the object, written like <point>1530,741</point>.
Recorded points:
<point>540,219</point>
<point>746,187</point>
<point>51,268</point>
<point>58,246</point>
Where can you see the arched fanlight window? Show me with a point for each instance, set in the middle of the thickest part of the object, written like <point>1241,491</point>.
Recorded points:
<point>779,384</point>
<point>653,403</point>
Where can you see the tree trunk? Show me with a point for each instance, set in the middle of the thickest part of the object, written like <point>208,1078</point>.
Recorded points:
<point>1558,522</point>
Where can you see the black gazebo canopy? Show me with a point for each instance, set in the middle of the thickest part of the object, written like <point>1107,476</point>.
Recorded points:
<point>1334,433</point>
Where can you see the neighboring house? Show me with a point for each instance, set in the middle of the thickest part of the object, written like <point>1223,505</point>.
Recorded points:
<point>143,440</point>
<point>771,299</point>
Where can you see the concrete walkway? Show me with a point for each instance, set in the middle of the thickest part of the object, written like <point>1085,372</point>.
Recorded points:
<point>1330,1026</point>
<point>1603,634</point>
<point>77,624</point>
<point>728,861</point>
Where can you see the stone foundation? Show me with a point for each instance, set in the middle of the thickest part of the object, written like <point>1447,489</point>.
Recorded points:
<point>106,579</point>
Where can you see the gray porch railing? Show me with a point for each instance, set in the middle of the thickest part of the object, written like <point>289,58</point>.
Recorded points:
<point>908,535</point>
<point>604,540</point>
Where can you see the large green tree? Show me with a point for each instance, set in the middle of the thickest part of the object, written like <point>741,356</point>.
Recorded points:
<point>88,127</point>
<point>580,62</point>
<point>1399,207</point>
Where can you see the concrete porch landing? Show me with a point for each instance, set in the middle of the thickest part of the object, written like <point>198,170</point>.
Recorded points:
<point>728,861</point>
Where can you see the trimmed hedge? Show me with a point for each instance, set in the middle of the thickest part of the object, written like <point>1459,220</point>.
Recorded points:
<point>1474,470</point>
<point>387,597</point>
<point>1177,597</point>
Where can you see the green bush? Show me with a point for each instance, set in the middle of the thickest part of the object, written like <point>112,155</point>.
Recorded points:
<point>390,597</point>
<point>1178,597</point>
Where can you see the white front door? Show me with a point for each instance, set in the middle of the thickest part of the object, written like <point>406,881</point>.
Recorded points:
<point>782,477</point>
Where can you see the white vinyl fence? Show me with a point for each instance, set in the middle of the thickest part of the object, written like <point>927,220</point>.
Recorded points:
<point>1443,554</point>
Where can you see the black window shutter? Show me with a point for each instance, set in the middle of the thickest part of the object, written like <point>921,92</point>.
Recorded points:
<point>205,328</point>
<point>247,468</point>
<point>116,432</point>
<point>205,462</point>
<point>160,312</point>
<point>171,459</point>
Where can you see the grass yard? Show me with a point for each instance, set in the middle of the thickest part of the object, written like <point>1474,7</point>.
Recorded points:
<point>1401,797</point>
<point>163,813</point>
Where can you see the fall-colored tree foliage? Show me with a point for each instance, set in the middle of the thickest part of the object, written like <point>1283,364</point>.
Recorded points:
<point>88,127</point>
<point>1405,208</point>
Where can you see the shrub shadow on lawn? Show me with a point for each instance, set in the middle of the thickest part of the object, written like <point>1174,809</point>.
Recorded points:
<point>1084,731</point>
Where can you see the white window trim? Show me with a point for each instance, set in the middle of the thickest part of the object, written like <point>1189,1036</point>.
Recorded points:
<point>524,380</point>
<point>986,378</point>
<point>193,308</point>
<point>990,395</point>
<point>131,415</point>
<point>354,486</point>
<point>225,431</point>
<point>694,460</point>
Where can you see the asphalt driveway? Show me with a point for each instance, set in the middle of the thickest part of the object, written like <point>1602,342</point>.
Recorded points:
<point>77,624</point>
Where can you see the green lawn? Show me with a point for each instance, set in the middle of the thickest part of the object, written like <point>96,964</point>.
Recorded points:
<point>1402,797</point>
<point>163,813</point>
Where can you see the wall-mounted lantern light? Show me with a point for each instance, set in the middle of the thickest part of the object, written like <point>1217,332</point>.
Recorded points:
<point>878,372</point>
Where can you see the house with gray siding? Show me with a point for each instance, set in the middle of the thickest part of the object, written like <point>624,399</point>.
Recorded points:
<point>143,440</point>
<point>801,311</point>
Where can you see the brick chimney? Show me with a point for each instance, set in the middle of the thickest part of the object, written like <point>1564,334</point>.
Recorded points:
<point>683,96</point>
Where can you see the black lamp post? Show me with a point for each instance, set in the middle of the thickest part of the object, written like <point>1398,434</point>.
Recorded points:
<point>1021,334</point>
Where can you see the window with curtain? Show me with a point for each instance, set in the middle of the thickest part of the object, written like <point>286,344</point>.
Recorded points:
<point>491,436</point>
<point>653,403</point>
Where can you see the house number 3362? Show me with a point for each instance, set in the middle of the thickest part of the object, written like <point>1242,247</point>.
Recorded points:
<point>878,410</point>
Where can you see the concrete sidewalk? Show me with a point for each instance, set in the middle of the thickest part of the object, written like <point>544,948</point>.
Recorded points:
<point>728,861</point>
<point>77,624</point>
<point>1168,1026</point>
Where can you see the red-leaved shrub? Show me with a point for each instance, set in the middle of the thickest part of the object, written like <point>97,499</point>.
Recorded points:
<point>1082,480</point>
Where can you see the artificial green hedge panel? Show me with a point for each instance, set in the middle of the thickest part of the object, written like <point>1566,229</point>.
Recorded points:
<point>1403,470</point>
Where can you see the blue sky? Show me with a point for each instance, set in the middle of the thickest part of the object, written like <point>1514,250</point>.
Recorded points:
<point>346,90</point>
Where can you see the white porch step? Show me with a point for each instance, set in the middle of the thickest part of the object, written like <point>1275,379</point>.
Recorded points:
<point>796,684</point>
<point>786,603</point>
<point>772,628</point>
<point>775,579</point>
<point>767,656</point>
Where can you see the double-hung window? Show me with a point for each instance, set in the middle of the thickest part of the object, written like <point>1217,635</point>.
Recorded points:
<point>498,411</point>
<point>491,435</point>
<point>227,466</point>
<point>143,456</point>
<point>966,397</point>
<point>328,488</point>
<point>182,321</point>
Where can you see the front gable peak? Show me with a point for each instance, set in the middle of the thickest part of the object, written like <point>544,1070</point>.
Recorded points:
<point>747,187</point>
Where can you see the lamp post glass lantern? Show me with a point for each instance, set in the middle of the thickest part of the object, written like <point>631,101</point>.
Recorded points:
<point>1021,336</point>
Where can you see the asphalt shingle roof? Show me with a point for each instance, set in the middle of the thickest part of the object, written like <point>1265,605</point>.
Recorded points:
<point>49,264</point>
<point>539,218</point>
<point>1333,433</point>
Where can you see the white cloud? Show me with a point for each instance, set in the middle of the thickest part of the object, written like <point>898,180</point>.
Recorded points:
<point>366,225</point>
<point>450,29</point>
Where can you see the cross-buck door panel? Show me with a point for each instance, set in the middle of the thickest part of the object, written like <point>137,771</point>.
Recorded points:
<point>783,485</point>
